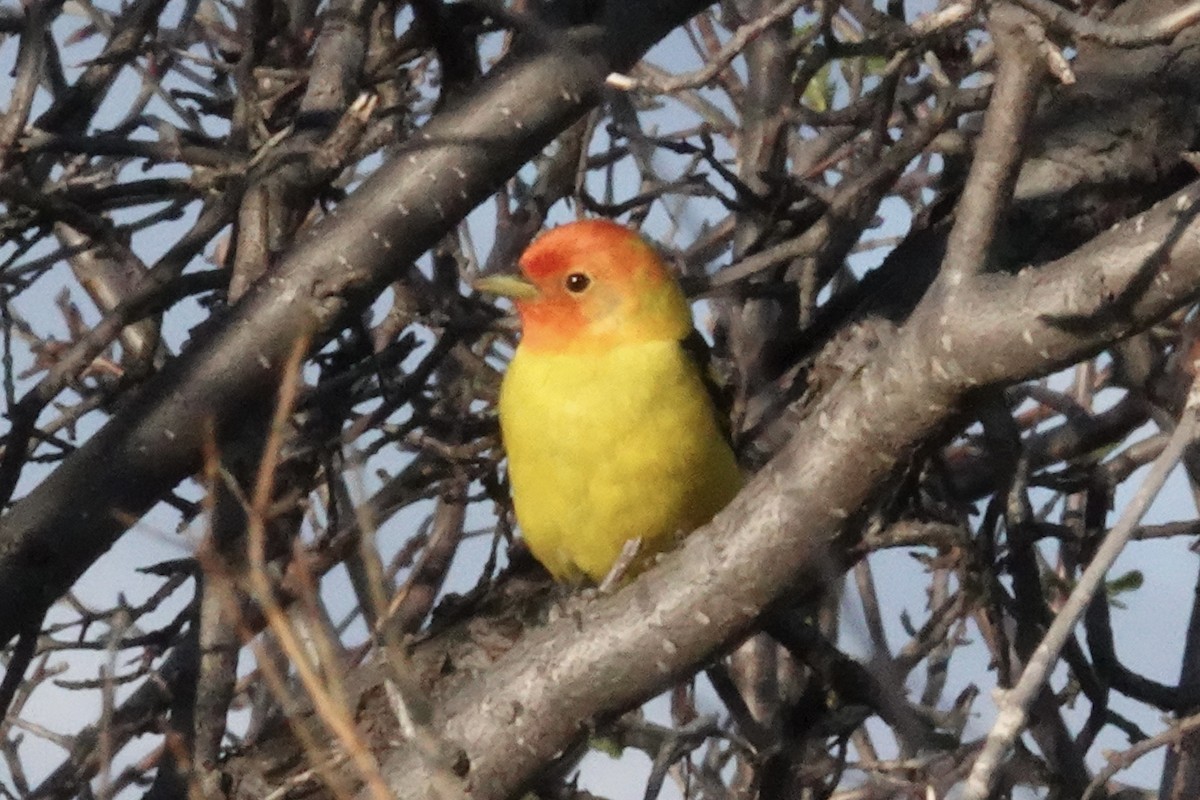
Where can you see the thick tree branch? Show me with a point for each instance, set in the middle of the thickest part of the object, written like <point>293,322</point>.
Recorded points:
<point>843,120</point>
<point>51,536</point>
<point>1164,28</point>
<point>782,531</point>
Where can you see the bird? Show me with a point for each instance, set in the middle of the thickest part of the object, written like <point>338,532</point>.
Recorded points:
<point>614,442</point>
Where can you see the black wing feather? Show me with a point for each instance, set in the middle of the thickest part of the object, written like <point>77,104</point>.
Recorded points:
<point>700,353</point>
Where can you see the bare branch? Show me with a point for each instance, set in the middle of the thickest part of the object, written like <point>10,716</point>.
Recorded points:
<point>998,153</point>
<point>1015,707</point>
<point>1164,28</point>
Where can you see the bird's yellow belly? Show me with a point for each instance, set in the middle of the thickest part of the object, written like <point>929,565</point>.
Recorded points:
<point>611,447</point>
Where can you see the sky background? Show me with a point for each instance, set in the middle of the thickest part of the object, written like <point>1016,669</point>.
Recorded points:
<point>1149,629</point>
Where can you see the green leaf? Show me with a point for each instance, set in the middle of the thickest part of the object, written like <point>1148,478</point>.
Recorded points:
<point>818,95</point>
<point>607,745</point>
<point>1129,582</point>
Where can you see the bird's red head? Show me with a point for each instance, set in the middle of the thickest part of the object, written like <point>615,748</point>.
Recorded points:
<point>596,284</point>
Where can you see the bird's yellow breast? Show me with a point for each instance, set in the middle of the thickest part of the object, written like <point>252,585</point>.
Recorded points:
<point>608,447</point>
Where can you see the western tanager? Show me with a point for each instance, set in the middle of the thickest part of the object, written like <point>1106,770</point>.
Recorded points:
<point>610,430</point>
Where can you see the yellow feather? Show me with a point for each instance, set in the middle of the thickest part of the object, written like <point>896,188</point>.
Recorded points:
<point>617,444</point>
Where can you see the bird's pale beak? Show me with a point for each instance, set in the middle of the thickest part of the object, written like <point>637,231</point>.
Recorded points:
<point>512,286</point>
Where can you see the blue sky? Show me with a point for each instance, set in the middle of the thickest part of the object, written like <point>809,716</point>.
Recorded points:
<point>1149,630</point>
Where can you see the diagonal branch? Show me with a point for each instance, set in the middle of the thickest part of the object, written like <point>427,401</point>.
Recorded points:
<point>1144,34</point>
<point>786,528</point>
<point>51,536</point>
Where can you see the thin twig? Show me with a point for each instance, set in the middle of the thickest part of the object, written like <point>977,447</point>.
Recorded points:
<point>334,714</point>
<point>1125,759</point>
<point>1014,709</point>
<point>719,61</point>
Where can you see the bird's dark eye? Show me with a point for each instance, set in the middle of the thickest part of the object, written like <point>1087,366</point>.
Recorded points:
<point>578,282</point>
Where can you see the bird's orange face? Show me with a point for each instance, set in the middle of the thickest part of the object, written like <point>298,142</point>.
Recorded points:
<point>590,285</point>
